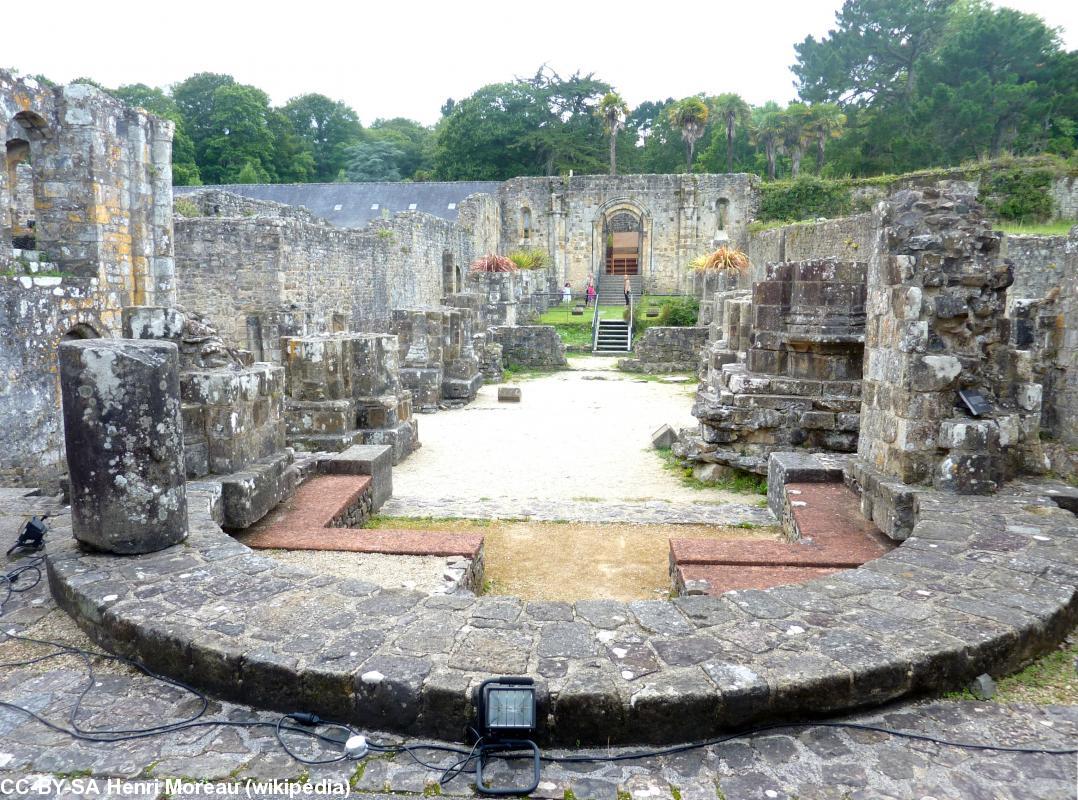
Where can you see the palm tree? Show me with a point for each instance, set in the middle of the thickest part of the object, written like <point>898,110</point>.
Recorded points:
<point>795,133</point>
<point>613,111</point>
<point>767,133</point>
<point>690,117</point>
<point>734,111</point>
<point>826,121</point>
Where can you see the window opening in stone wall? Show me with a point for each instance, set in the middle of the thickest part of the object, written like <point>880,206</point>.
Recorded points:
<point>525,223</point>
<point>449,274</point>
<point>19,166</point>
<point>81,331</point>
<point>622,233</point>
<point>722,208</point>
<point>20,181</point>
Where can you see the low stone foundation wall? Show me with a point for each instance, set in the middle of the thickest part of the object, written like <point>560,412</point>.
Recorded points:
<point>530,346</point>
<point>664,349</point>
<point>983,584</point>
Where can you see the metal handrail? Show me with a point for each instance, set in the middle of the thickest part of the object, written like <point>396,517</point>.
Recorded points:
<point>595,314</point>
<point>632,319</point>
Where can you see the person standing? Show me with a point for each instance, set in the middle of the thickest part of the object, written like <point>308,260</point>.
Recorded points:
<point>566,294</point>
<point>628,291</point>
<point>589,293</point>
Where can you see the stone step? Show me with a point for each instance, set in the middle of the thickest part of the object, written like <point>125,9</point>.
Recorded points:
<point>825,533</point>
<point>716,579</point>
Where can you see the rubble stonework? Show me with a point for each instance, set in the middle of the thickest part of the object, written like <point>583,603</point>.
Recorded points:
<point>661,349</point>
<point>90,206</point>
<point>344,389</point>
<point>501,293</point>
<point>936,325</point>
<point>265,271</point>
<point>799,385</point>
<point>124,444</point>
<point>531,346</point>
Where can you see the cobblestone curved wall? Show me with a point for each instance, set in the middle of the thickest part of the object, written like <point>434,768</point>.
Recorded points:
<point>981,585</point>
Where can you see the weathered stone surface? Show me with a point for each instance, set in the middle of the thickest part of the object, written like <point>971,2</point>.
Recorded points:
<point>124,445</point>
<point>509,394</point>
<point>530,346</point>
<point>663,349</point>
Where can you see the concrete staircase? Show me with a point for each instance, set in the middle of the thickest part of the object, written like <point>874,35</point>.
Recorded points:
<point>613,336</point>
<point>612,289</point>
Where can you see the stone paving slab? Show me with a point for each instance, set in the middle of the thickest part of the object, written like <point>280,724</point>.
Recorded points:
<point>982,585</point>
<point>652,512</point>
<point>804,762</point>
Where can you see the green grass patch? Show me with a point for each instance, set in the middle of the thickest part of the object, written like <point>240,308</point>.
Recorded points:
<point>1060,227</point>
<point>514,373</point>
<point>576,331</point>
<point>1051,679</point>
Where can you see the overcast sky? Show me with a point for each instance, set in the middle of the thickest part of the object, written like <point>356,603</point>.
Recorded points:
<point>405,58</point>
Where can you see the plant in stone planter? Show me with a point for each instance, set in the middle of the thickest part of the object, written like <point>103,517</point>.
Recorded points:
<point>725,259</point>
<point>534,258</point>
<point>493,262</point>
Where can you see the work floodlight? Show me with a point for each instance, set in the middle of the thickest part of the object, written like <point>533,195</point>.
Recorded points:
<point>505,717</point>
<point>506,707</point>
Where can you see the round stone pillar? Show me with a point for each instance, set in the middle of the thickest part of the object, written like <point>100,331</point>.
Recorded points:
<point>124,440</point>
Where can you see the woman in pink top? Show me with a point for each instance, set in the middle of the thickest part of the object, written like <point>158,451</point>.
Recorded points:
<point>589,293</point>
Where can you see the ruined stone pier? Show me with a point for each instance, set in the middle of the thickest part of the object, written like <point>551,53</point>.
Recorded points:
<point>124,443</point>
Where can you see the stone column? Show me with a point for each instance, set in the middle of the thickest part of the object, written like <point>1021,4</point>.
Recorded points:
<point>124,441</point>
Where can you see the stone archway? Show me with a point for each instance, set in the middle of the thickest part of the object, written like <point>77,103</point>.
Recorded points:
<point>19,212</point>
<point>622,234</point>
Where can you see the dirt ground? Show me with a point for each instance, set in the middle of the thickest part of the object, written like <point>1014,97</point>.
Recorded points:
<point>571,561</point>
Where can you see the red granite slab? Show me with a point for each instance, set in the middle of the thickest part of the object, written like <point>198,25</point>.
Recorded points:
<point>301,524</point>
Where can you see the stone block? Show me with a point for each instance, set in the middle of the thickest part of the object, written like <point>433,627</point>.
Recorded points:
<point>508,394</point>
<point>251,493</point>
<point>663,437</point>
<point>373,460</point>
<point>123,431</point>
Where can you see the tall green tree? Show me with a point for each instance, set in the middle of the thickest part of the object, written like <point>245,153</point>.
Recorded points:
<point>795,132</point>
<point>374,161</point>
<point>328,126</point>
<point>825,121</point>
<point>734,112</point>
<point>768,133</point>
<point>240,134</point>
<point>414,141</point>
<point>690,117</point>
<point>873,54</point>
<point>613,111</point>
<point>194,98</point>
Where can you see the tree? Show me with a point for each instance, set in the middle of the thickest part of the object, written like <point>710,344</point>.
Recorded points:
<point>194,98</point>
<point>690,117</point>
<point>328,126</point>
<point>733,111</point>
<point>795,131</point>
<point>825,121</point>
<point>874,53</point>
<point>414,141</point>
<point>768,133</point>
<point>292,159</point>
<point>545,125</point>
<point>241,134</point>
<point>251,174</point>
<point>613,111</point>
<point>374,161</point>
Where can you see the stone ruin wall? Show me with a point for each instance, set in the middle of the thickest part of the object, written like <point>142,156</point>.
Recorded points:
<point>99,175</point>
<point>845,238</point>
<point>263,271</point>
<point>680,217</point>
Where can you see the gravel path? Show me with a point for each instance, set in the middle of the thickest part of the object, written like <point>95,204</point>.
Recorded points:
<point>577,436</point>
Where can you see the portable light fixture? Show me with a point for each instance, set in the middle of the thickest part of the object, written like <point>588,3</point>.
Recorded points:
<point>32,536</point>
<point>506,716</point>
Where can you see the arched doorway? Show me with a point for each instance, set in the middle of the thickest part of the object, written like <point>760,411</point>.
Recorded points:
<point>623,238</point>
<point>20,216</point>
<point>80,331</point>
